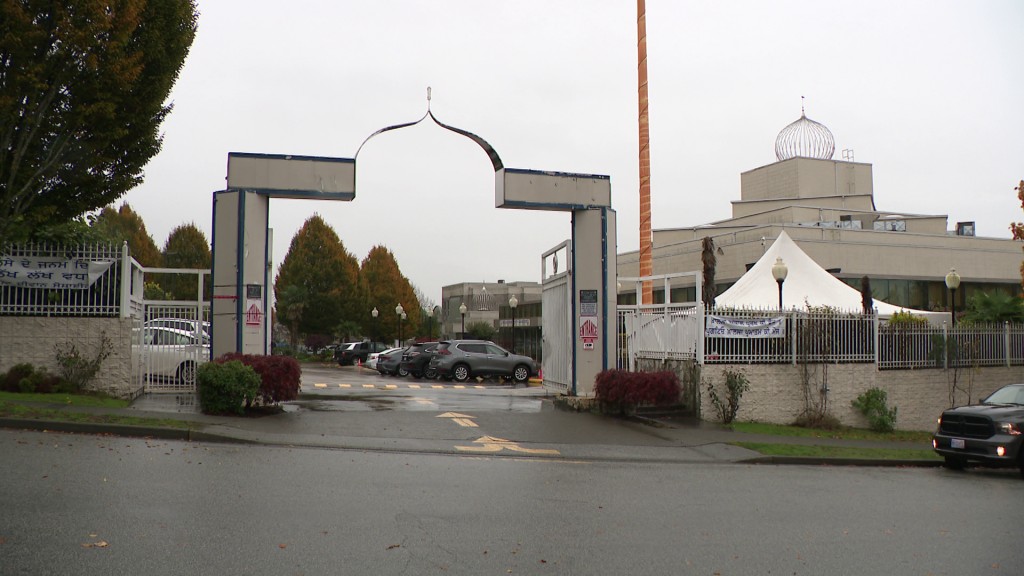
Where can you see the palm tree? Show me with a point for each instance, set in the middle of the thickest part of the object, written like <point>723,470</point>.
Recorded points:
<point>997,306</point>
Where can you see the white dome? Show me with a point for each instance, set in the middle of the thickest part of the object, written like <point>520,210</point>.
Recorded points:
<point>805,138</point>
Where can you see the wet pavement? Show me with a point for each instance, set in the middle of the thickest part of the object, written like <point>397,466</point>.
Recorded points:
<point>358,409</point>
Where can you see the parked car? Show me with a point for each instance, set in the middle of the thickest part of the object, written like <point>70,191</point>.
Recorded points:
<point>990,433</point>
<point>182,324</point>
<point>391,364</point>
<point>371,361</point>
<point>416,360</point>
<point>464,359</point>
<point>169,353</point>
<point>357,352</point>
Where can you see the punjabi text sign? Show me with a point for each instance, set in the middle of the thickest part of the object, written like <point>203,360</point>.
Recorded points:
<point>730,327</point>
<point>51,272</point>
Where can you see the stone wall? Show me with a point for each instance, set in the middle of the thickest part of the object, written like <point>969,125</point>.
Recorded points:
<point>32,339</point>
<point>776,391</point>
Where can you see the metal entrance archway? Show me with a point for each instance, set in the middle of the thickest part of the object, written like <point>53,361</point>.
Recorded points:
<point>241,242</point>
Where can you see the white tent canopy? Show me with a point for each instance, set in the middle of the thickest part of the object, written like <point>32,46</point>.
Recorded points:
<point>806,283</point>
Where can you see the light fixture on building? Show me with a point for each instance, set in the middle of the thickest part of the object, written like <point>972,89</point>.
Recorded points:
<point>952,282</point>
<point>779,271</point>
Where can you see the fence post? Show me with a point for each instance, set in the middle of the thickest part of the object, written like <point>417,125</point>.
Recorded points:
<point>945,347</point>
<point>878,338</point>
<point>1006,339</point>
<point>793,316</point>
<point>126,281</point>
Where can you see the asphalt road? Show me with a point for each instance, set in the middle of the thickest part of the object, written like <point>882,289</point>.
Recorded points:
<point>191,508</point>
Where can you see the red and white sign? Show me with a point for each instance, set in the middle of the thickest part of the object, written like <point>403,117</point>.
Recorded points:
<point>254,312</point>
<point>588,332</point>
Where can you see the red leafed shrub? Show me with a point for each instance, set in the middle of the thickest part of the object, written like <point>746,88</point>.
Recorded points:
<point>638,388</point>
<point>280,375</point>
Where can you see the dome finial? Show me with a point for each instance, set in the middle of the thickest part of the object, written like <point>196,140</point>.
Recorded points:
<point>805,138</point>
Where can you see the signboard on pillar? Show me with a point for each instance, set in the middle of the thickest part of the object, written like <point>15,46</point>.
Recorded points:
<point>593,271</point>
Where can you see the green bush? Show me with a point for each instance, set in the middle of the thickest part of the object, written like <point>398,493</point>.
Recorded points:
<point>226,388</point>
<point>11,382</point>
<point>736,384</point>
<point>873,405</point>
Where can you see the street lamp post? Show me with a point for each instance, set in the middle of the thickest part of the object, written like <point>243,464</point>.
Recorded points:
<point>952,282</point>
<point>430,324</point>
<point>462,310</point>
<point>512,303</point>
<point>374,313</point>
<point>779,271</point>
<point>401,314</point>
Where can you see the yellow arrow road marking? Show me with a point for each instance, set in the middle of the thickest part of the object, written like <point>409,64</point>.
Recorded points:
<point>491,444</point>
<point>454,415</point>
<point>465,422</point>
<point>423,401</point>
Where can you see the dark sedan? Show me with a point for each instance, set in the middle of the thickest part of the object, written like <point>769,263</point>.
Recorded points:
<point>390,364</point>
<point>988,433</point>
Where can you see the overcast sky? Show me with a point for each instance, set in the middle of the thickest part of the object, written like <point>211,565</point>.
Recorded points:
<point>930,93</point>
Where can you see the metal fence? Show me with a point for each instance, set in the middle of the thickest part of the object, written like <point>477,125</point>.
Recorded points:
<point>104,297</point>
<point>659,331</point>
<point>753,336</point>
<point>902,346</point>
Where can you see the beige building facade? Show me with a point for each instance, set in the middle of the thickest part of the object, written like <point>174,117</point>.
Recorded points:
<point>828,208</point>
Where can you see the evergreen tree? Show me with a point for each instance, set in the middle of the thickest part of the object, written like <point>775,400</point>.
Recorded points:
<point>124,225</point>
<point>385,288</point>
<point>186,247</point>
<point>318,262</point>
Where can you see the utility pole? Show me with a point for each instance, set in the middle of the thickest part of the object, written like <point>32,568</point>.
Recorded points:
<point>646,266</point>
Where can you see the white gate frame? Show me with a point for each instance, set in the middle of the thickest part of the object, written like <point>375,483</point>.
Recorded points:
<point>672,330</point>
<point>556,321</point>
<point>140,311</point>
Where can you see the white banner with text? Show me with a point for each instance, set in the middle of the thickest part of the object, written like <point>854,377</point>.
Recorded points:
<point>51,272</point>
<point>734,327</point>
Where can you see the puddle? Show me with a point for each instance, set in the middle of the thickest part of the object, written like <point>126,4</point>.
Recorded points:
<point>345,404</point>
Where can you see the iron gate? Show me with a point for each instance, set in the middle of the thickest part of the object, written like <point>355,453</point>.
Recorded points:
<point>171,344</point>
<point>556,321</point>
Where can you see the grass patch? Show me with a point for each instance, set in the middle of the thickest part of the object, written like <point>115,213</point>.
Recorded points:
<point>837,451</point>
<point>86,399</point>
<point>12,410</point>
<point>848,433</point>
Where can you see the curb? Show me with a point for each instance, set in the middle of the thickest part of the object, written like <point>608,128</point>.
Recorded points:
<point>825,461</point>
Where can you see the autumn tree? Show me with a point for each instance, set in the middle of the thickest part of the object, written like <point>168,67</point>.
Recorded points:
<point>83,91</point>
<point>385,288</point>
<point>318,262</point>
<point>1018,227</point>
<point>124,225</point>
<point>186,247</point>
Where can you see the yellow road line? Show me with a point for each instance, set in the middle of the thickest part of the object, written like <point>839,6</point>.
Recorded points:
<point>320,385</point>
<point>480,387</point>
<point>345,385</point>
<point>458,386</point>
<point>436,386</point>
<point>414,385</point>
<point>368,386</point>
<point>391,385</point>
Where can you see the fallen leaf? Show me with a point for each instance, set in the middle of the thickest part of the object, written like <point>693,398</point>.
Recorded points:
<point>93,535</point>
<point>994,565</point>
<point>392,546</point>
<point>283,546</point>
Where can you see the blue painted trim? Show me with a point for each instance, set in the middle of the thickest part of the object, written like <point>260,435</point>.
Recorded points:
<point>559,174</point>
<point>604,286</point>
<point>266,281</point>
<point>549,205</point>
<point>572,305</point>
<point>299,194</point>
<point>290,157</point>
<point>240,280</point>
<point>213,268</point>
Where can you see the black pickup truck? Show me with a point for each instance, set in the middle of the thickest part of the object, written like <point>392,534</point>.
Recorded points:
<point>348,354</point>
<point>990,433</point>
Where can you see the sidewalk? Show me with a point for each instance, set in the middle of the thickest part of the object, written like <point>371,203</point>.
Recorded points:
<point>682,440</point>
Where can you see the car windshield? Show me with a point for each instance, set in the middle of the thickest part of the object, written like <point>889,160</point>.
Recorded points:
<point>1006,395</point>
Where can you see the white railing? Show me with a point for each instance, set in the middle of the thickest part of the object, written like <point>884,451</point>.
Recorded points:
<point>965,345</point>
<point>556,309</point>
<point>760,336</point>
<point>102,298</point>
<point>659,331</point>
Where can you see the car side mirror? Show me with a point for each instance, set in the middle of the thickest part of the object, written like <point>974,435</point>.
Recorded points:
<point>506,354</point>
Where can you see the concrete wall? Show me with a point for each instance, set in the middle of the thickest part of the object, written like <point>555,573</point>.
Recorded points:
<point>776,391</point>
<point>32,339</point>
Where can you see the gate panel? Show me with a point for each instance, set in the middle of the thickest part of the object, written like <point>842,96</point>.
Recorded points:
<point>173,342</point>
<point>557,330</point>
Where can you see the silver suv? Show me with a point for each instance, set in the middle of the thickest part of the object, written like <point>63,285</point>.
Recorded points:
<point>465,359</point>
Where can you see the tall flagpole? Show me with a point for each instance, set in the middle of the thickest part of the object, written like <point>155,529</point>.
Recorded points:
<point>646,266</point>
